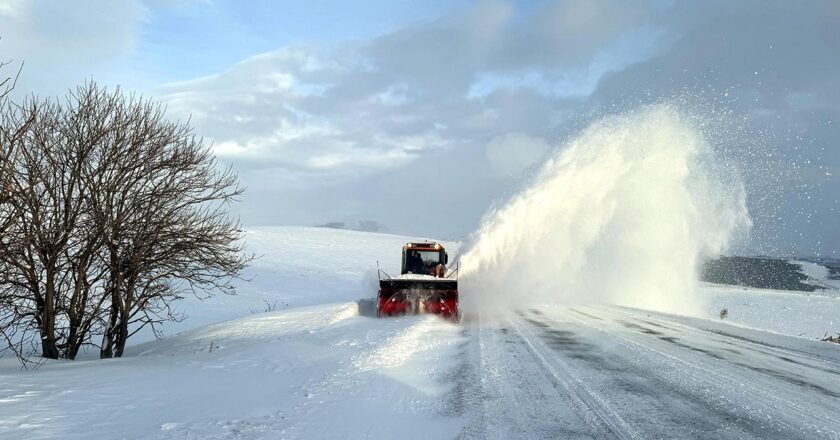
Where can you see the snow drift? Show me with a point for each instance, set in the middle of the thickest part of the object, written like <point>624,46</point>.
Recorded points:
<point>621,214</point>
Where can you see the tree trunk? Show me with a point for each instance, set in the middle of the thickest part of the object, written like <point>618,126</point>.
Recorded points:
<point>122,336</point>
<point>72,347</point>
<point>107,349</point>
<point>78,330</point>
<point>48,343</point>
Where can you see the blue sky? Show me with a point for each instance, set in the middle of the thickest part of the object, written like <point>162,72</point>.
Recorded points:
<point>181,40</point>
<point>143,44</point>
<point>322,106</point>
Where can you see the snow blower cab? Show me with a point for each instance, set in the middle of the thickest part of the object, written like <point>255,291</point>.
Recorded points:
<point>425,284</point>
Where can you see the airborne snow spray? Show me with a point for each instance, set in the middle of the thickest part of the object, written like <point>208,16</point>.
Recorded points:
<point>621,214</point>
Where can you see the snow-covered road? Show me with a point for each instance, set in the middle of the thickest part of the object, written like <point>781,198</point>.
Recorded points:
<point>325,372</point>
<point>317,369</point>
<point>605,372</point>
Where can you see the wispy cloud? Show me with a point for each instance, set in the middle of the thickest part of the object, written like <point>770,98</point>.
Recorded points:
<point>64,43</point>
<point>380,103</point>
<point>453,111</point>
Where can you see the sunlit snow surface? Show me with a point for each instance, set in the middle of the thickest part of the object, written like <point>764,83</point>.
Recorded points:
<point>316,369</point>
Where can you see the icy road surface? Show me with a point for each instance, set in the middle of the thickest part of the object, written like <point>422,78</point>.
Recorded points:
<point>603,372</point>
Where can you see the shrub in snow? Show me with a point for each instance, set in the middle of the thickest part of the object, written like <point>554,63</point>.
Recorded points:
<point>835,339</point>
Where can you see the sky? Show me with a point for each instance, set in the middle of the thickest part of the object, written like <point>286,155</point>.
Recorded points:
<point>422,114</point>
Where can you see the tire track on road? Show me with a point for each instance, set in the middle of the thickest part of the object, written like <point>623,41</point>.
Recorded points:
<point>810,419</point>
<point>595,410</point>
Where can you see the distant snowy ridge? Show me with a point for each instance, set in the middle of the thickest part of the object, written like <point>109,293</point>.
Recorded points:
<point>819,275</point>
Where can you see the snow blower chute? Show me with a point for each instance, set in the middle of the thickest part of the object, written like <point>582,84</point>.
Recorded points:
<point>424,285</point>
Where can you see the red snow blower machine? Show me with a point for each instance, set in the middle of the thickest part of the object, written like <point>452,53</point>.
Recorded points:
<point>424,285</point>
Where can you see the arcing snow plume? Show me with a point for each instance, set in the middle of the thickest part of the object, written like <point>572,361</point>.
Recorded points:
<point>621,214</point>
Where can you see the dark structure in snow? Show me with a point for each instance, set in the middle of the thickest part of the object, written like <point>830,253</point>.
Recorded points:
<point>362,225</point>
<point>758,272</point>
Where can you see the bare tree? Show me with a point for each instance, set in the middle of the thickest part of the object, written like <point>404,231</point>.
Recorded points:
<point>160,201</point>
<point>13,124</point>
<point>114,213</point>
<point>29,256</point>
<point>45,245</point>
<point>163,209</point>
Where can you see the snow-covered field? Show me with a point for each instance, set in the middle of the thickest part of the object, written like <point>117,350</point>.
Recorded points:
<point>315,368</point>
<point>312,372</point>
<point>808,315</point>
<point>300,266</point>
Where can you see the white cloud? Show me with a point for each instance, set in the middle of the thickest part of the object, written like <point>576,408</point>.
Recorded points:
<point>470,99</point>
<point>11,9</point>
<point>63,43</point>
<point>366,105</point>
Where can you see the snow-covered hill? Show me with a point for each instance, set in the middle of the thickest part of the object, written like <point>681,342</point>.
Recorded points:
<point>315,368</point>
<point>311,372</point>
<point>299,266</point>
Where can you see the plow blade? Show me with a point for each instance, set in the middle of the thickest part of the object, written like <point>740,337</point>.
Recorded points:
<point>411,296</point>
